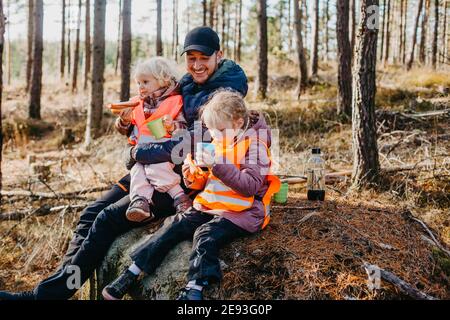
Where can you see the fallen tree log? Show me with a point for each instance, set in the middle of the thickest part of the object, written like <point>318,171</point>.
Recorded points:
<point>402,285</point>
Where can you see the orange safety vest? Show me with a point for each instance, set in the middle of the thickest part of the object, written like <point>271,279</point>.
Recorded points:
<point>218,196</point>
<point>170,106</point>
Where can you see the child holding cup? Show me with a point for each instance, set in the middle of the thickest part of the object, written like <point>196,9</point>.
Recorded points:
<point>235,187</point>
<point>152,117</point>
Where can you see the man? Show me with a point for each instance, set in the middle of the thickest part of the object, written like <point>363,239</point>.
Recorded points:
<point>104,220</point>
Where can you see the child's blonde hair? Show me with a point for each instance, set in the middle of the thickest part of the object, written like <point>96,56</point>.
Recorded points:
<point>223,105</point>
<point>162,69</point>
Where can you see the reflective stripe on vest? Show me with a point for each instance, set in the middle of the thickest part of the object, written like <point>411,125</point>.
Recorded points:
<point>169,106</point>
<point>218,196</point>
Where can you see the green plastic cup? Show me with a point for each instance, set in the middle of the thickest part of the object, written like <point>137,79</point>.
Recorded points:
<point>157,128</point>
<point>282,195</point>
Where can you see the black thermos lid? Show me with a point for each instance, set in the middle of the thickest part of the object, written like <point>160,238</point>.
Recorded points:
<point>315,150</point>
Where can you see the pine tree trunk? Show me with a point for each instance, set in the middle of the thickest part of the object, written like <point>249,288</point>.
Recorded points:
<point>344,54</point>
<point>388,33</point>
<point>212,7</point>
<point>383,31</point>
<point>301,59</point>
<point>76,58</point>
<point>352,23</point>
<point>175,30</point>
<point>289,23</point>
<point>261,34</point>
<point>69,50</point>
<point>436,34</point>
<point>159,47</point>
<point>444,35</point>
<point>95,109</point>
<point>29,43</point>
<point>423,37</point>
<point>227,34</point>
<point>400,31</point>
<point>366,164</point>
<point>125,61</point>
<point>2,44</point>
<point>34,104</point>
<point>222,44</point>
<point>416,26</point>
<point>405,20</point>
<point>119,30</point>
<point>315,40</point>
<point>8,37</point>
<point>87,45</point>
<point>63,40</point>
<point>239,32</point>
<point>204,12</point>
<point>327,36</point>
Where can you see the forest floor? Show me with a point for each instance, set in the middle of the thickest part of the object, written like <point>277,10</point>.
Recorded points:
<point>310,250</point>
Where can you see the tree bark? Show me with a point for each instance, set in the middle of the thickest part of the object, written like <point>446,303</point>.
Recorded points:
<point>315,40</point>
<point>366,164</point>
<point>344,53</point>
<point>261,34</point>
<point>435,34</point>
<point>382,31</point>
<point>119,29</point>
<point>301,59</point>
<point>205,10</point>
<point>2,44</point>
<point>34,104</point>
<point>388,33</point>
<point>29,43</point>
<point>159,47</point>
<point>352,23</point>
<point>63,40</point>
<point>222,44</point>
<point>212,8</point>
<point>400,31</point>
<point>175,30</point>
<point>405,20</point>
<point>95,109</point>
<point>69,50</point>
<point>444,35</point>
<point>239,32</point>
<point>327,36</point>
<point>423,36</point>
<point>416,26</point>
<point>125,61</point>
<point>87,65</point>
<point>76,58</point>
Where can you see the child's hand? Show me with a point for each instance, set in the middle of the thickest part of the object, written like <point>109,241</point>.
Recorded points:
<point>126,115</point>
<point>189,168</point>
<point>168,123</point>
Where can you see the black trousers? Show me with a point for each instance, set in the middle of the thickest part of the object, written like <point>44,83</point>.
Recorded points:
<point>209,234</point>
<point>99,225</point>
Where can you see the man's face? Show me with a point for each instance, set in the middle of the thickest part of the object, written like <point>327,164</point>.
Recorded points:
<point>201,66</point>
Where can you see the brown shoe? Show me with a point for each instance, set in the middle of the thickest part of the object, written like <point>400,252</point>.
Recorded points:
<point>139,210</point>
<point>182,203</point>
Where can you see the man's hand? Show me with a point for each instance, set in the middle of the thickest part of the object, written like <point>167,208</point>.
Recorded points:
<point>129,160</point>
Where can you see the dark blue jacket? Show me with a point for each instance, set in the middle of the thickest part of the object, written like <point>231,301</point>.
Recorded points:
<point>228,75</point>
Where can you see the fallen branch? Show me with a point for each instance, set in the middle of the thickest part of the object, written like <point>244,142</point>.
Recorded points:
<point>433,238</point>
<point>39,212</point>
<point>402,285</point>
<point>62,195</point>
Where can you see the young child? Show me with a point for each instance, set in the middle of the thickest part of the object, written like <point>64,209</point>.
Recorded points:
<point>234,200</point>
<point>158,98</point>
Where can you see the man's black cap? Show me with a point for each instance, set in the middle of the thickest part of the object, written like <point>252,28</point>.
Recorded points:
<point>203,39</point>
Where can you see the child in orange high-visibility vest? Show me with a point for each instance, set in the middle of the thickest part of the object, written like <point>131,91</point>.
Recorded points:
<point>158,97</point>
<point>234,200</point>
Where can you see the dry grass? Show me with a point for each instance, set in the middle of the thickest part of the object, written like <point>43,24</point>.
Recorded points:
<point>318,259</point>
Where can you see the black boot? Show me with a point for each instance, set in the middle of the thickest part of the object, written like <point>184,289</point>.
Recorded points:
<point>119,287</point>
<point>190,294</point>
<point>11,296</point>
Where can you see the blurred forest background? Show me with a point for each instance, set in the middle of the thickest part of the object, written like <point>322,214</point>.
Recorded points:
<point>368,85</point>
